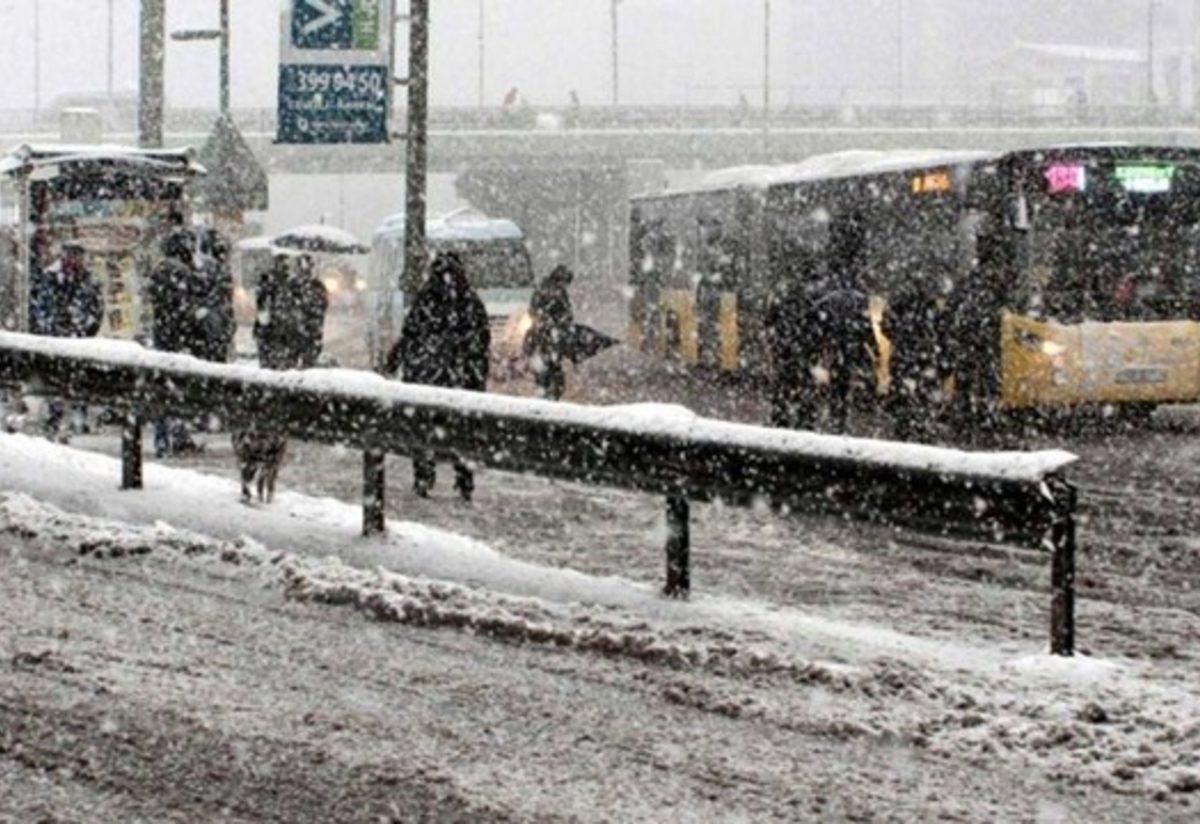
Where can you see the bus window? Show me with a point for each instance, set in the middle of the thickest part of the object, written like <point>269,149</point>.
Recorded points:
<point>1119,243</point>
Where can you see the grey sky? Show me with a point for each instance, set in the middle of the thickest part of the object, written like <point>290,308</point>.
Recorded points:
<point>673,51</point>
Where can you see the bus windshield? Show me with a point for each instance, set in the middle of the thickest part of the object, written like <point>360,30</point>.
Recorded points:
<point>492,264</point>
<point>1116,241</point>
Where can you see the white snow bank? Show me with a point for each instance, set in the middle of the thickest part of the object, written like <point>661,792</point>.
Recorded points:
<point>1020,466</point>
<point>86,483</point>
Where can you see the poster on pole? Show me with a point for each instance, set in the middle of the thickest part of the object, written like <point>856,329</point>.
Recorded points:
<point>335,71</point>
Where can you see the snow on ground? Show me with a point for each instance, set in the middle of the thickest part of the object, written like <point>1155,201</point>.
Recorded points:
<point>318,527</point>
<point>1122,725</point>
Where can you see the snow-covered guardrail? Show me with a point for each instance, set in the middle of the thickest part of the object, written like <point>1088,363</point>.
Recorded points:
<point>1008,498</point>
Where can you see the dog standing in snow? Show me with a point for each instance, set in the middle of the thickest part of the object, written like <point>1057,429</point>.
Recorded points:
<point>260,456</point>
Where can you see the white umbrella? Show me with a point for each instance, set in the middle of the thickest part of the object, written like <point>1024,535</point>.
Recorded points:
<point>321,240</point>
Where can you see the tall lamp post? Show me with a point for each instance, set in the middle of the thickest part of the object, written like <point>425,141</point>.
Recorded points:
<point>616,56</point>
<point>482,44</point>
<point>37,56</point>
<point>900,52</point>
<point>221,34</point>
<point>1151,11</point>
<point>150,81</point>
<point>109,85</point>
<point>766,79</point>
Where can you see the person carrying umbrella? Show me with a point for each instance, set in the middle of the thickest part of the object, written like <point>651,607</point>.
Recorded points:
<point>551,337</point>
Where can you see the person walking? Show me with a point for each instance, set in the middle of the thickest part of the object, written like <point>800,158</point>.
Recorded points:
<point>445,341</point>
<point>67,302</point>
<point>216,298</point>
<point>793,392</point>
<point>914,323</point>
<point>176,297</point>
<point>550,338</point>
<point>290,320</point>
<point>837,325</point>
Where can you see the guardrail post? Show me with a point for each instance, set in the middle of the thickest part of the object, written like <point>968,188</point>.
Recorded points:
<point>679,581</point>
<point>1062,577</point>
<point>131,451</point>
<point>374,491</point>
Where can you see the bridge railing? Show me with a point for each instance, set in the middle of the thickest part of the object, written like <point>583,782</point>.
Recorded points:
<point>1018,499</point>
<point>693,118</point>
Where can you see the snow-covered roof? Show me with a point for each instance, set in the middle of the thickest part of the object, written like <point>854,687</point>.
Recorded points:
<point>839,164</point>
<point>465,224</point>
<point>1085,53</point>
<point>32,156</point>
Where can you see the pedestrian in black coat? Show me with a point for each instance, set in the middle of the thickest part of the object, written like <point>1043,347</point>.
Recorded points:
<point>551,337</point>
<point>445,342</point>
<point>793,391</point>
<point>216,298</point>
<point>174,289</point>
<point>176,293</point>
<point>915,323</point>
<point>290,319</point>
<point>837,325</point>
<point>69,304</point>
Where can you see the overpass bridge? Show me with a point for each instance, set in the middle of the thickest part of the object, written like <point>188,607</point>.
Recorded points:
<point>676,148</point>
<point>679,137</point>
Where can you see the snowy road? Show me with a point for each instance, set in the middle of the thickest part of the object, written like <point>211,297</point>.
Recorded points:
<point>511,658</point>
<point>175,686</point>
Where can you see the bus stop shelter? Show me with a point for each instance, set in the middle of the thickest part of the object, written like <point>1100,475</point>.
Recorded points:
<point>116,202</point>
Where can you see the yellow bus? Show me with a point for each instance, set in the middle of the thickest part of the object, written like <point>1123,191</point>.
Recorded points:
<point>1091,275</point>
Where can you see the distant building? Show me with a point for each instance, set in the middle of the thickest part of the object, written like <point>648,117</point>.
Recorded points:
<point>1062,74</point>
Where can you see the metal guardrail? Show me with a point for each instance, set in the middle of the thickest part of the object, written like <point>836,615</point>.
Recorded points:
<point>1016,498</point>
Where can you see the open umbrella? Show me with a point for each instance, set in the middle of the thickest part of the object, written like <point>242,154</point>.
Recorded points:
<point>587,342</point>
<point>328,240</point>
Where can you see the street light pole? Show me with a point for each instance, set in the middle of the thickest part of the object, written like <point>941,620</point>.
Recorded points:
<point>616,55</point>
<point>221,35</point>
<point>1151,8</point>
<point>37,55</point>
<point>110,51</point>
<point>417,159</point>
<point>900,52</point>
<point>226,109</point>
<point>766,78</point>
<point>152,56</point>
<point>482,21</point>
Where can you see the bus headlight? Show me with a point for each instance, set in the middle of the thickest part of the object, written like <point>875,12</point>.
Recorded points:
<point>1053,348</point>
<point>333,285</point>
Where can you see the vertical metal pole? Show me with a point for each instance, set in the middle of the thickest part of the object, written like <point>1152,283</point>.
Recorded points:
<point>1062,577</point>
<point>482,26</point>
<point>616,55</point>
<point>679,581</point>
<point>152,58</point>
<point>900,52</point>
<point>1150,48</point>
<point>417,161</point>
<point>224,26</point>
<point>37,56</point>
<point>111,50</point>
<point>766,80</point>
<point>374,492</point>
<point>131,451</point>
